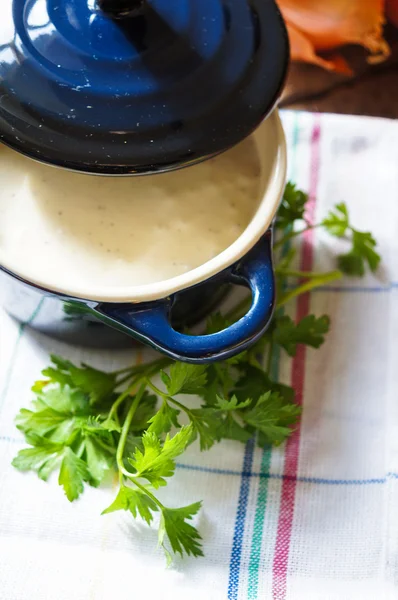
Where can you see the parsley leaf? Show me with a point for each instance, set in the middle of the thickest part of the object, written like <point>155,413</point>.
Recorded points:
<point>45,421</point>
<point>57,412</point>
<point>185,378</point>
<point>62,418</point>
<point>206,425</point>
<point>230,429</point>
<point>42,457</point>
<point>145,412</point>
<point>164,419</point>
<point>363,252</point>
<point>156,461</point>
<point>232,404</point>
<point>213,386</point>
<point>97,384</point>
<point>182,535</point>
<point>132,443</point>
<point>309,331</point>
<point>135,501</point>
<point>273,416</point>
<point>337,222</point>
<point>110,425</point>
<point>216,421</point>
<point>254,382</point>
<point>63,399</point>
<point>292,207</point>
<point>99,459</point>
<point>73,474</point>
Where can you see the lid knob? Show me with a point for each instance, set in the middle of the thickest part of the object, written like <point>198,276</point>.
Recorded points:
<point>118,9</point>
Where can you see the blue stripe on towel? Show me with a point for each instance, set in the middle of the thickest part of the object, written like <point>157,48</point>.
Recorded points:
<point>319,480</point>
<point>236,554</point>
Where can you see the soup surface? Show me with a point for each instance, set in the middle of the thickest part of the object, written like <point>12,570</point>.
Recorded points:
<point>72,229</point>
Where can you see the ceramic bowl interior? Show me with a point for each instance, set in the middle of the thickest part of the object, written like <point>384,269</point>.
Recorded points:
<point>271,148</point>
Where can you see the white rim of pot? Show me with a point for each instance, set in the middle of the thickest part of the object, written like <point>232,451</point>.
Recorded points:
<point>269,132</point>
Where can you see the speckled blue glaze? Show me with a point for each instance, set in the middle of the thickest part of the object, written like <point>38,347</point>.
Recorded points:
<point>176,83</point>
<point>99,324</point>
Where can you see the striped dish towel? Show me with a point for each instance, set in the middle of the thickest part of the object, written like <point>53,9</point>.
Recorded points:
<point>313,520</point>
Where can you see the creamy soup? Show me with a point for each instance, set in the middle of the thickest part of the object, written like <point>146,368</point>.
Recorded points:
<point>74,229</point>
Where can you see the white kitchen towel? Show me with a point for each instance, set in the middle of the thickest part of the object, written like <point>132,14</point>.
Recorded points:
<point>316,519</point>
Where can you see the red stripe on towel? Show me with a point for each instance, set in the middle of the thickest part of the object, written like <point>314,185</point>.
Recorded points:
<point>292,450</point>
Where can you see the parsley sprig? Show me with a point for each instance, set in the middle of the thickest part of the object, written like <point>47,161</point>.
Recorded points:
<point>84,423</point>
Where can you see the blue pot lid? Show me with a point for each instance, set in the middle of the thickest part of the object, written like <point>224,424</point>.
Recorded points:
<point>136,86</point>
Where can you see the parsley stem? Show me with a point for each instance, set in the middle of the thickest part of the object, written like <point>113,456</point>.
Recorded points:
<point>309,285</point>
<point>294,234</point>
<point>301,274</point>
<point>184,408</point>
<point>147,370</point>
<point>155,389</point>
<point>122,398</point>
<point>169,398</point>
<point>147,492</point>
<point>126,426</point>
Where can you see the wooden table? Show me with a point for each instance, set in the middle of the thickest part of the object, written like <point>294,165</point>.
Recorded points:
<point>372,91</point>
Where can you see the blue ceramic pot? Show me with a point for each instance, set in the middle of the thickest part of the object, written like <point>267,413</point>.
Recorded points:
<point>156,323</point>
<point>152,313</point>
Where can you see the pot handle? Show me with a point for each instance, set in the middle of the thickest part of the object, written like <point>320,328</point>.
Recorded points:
<point>150,321</point>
